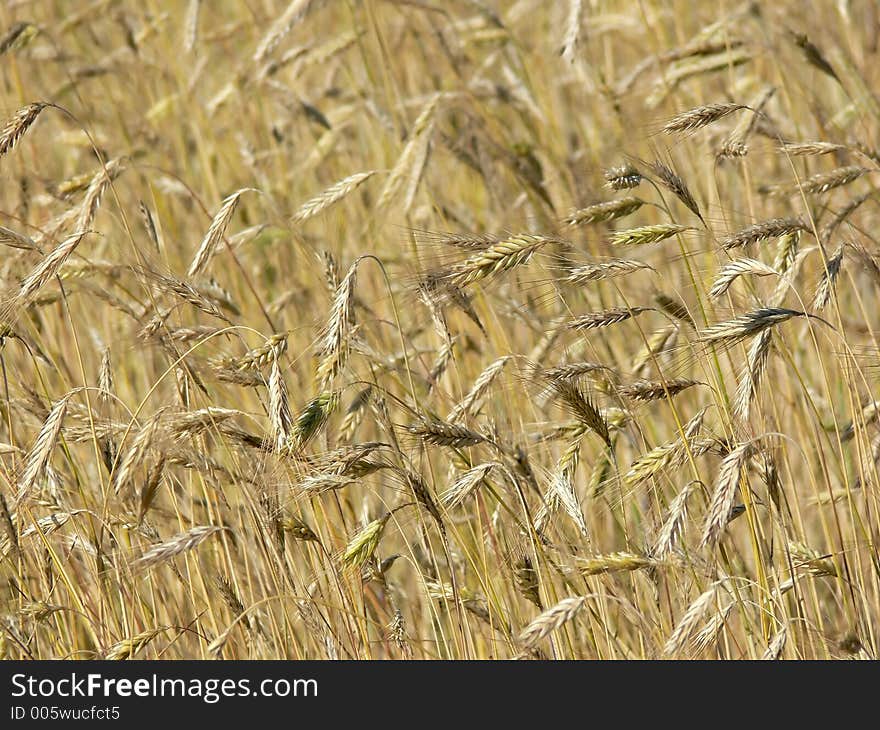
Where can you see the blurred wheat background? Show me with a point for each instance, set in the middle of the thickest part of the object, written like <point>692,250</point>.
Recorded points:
<point>439,330</point>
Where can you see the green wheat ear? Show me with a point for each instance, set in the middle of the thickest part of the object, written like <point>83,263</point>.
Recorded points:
<point>362,546</point>
<point>312,418</point>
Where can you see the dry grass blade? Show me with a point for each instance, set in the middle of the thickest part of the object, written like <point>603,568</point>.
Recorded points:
<point>776,645</point>
<point>191,25</point>
<point>844,213</point>
<point>572,31</point>
<point>658,343</point>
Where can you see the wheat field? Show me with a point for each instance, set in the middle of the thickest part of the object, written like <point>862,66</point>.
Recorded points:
<point>404,329</point>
